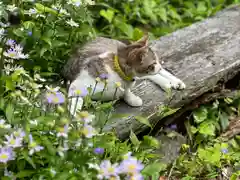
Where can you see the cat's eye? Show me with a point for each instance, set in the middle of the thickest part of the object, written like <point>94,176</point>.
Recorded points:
<point>151,67</point>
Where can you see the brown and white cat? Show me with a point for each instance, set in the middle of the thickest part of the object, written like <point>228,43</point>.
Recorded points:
<point>121,63</point>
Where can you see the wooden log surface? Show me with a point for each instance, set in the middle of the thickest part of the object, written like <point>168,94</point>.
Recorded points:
<point>201,55</point>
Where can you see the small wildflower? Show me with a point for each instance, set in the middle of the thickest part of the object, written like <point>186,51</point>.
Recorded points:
<point>79,92</point>
<point>75,2</point>
<point>6,154</point>
<point>86,117</point>
<point>55,98</point>
<point>63,132</point>
<point>72,23</point>
<point>10,42</point>
<point>12,141</point>
<point>136,177</point>
<point>118,84</point>
<point>34,147</point>
<point>88,131</point>
<point>98,79</point>
<point>8,173</point>
<point>11,8</point>
<point>104,76</point>
<point>98,150</point>
<point>131,166</point>
<point>29,33</point>
<point>173,127</point>
<point>3,125</point>
<point>31,11</point>
<point>19,133</point>
<point>52,172</point>
<point>50,89</point>
<point>224,150</point>
<point>108,170</point>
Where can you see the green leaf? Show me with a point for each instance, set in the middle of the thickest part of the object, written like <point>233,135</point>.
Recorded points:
<point>24,173</point>
<point>151,141</point>
<point>47,40</point>
<point>127,29</point>
<point>154,168</point>
<point>143,120</point>
<point>163,14</point>
<point>28,24</point>
<point>200,114</point>
<point>201,6</point>
<point>28,159</point>
<point>134,139</point>
<point>9,112</point>
<point>137,34</point>
<point>223,120</point>
<point>47,143</point>
<point>107,14</point>
<point>207,128</point>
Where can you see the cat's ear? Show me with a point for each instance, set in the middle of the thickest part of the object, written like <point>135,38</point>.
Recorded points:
<point>143,41</point>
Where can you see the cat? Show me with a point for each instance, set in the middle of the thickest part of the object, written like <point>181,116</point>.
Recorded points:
<point>117,62</point>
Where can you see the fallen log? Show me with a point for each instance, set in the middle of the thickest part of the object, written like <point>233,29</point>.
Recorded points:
<point>202,55</point>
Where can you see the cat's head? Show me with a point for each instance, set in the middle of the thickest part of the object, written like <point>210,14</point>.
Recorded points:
<point>141,58</point>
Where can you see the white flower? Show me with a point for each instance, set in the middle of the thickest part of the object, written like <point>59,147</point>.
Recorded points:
<point>50,89</point>
<point>2,33</point>
<point>60,9</point>
<point>75,2</point>
<point>4,25</point>
<point>3,125</point>
<point>11,8</point>
<point>72,23</point>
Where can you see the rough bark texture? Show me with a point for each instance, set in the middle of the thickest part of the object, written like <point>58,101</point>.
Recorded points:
<point>202,55</point>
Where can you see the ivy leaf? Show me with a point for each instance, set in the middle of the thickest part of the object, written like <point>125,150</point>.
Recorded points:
<point>143,120</point>
<point>207,128</point>
<point>200,114</point>
<point>107,14</point>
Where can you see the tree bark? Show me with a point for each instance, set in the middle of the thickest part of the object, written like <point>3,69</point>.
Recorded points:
<point>202,55</point>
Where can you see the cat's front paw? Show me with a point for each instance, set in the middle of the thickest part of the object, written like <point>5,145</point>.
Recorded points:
<point>178,85</point>
<point>133,100</point>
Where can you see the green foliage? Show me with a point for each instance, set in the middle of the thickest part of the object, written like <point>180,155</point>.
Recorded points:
<point>58,146</point>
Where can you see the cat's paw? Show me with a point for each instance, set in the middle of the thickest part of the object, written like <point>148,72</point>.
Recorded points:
<point>178,85</point>
<point>133,100</point>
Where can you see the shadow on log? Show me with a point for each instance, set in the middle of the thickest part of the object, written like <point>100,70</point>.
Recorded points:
<point>202,55</point>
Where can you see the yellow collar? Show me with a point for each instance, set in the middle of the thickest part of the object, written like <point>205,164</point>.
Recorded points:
<point>120,71</point>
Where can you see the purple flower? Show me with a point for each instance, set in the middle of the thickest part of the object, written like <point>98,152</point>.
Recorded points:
<point>131,166</point>
<point>12,141</point>
<point>98,150</point>
<point>104,76</point>
<point>34,147</point>
<point>173,126</point>
<point>136,177</point>
<point>55,97</point>
<point>108,170</point>
<point>78,92</point>
<point>19,133</point>
<point>29,33</point>
<point>6,154</point>
<point>10,42</point>
<point>88,131</point>
<point>63,132</point>
<point>224,150</point>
